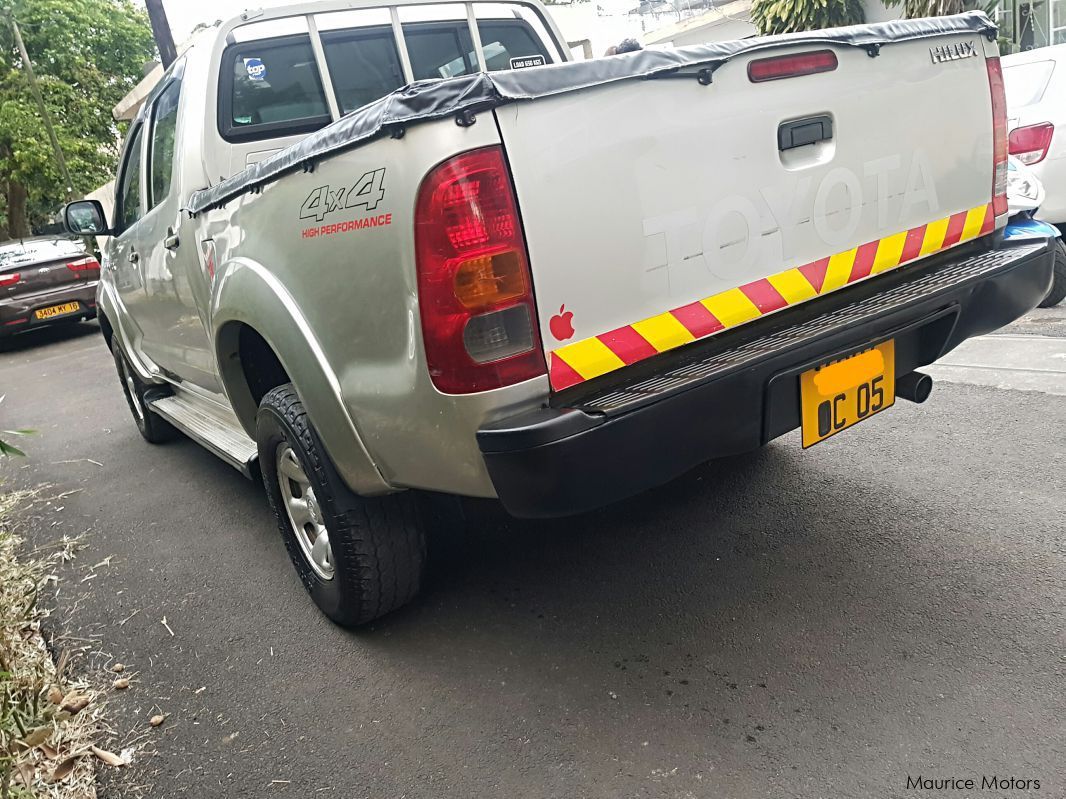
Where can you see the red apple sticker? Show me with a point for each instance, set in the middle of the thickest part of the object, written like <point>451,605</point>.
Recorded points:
<point>562,324</point>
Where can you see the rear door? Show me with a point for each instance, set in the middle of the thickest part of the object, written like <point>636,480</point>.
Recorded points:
<point>643,198</point>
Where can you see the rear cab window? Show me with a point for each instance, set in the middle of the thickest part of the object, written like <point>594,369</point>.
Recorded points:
<point>440,46</point>
<point>513,37</point>
<point>271,86</point>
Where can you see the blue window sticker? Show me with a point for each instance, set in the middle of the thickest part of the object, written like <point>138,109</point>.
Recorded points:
<point>256,69</point>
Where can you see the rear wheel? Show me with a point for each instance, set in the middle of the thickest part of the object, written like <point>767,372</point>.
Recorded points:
<point>358,557</point>
<point>1058,286</point>
<point>138,394</point>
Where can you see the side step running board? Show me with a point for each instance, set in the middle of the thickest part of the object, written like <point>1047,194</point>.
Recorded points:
<point>212,428</point>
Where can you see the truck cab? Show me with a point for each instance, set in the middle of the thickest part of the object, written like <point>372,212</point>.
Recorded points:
<point>245,91</point>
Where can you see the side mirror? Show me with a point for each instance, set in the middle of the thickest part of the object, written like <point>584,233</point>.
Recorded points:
<point>85,218</point>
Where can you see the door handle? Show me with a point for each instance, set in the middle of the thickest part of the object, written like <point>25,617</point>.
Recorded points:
<point>171,241</point>
<point>133,257</point>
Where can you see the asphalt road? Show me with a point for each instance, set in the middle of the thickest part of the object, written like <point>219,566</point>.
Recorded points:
<point>786,624</point>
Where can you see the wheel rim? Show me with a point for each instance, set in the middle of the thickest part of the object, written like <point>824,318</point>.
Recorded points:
<point>304,512</point>
<point>131,391</point>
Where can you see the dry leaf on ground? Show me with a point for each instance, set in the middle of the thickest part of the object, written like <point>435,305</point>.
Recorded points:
<point>24,773</point>
<point>110,758</point>
<point>74,702</point>
<point>64,769</point>
<point>35,737</point>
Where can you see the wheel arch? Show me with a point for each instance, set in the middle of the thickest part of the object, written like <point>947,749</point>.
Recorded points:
<point>260,337</point>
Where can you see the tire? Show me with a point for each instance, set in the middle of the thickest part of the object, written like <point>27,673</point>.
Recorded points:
<point>1058,286</point>
<point>154,428</point>
<point>374,553</point>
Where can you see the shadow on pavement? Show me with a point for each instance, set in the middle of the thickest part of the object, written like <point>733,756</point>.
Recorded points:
<point>46,335</point>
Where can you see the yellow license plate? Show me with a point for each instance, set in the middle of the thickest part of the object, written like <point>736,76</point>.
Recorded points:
<point>839,394</point>
<point>56,310</point>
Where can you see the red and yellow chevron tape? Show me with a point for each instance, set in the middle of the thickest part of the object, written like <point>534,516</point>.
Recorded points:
<point>591,357</point>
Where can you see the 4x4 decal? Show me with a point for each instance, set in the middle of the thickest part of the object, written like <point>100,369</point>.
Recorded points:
<point>367,191</point>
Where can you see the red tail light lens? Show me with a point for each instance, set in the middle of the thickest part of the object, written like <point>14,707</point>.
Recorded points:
<point>1030,144</point>
<point>791,66</point>
<point>10,280</point>
<point>999,136</point>
<point>84,265</point>
<point>474,287</point>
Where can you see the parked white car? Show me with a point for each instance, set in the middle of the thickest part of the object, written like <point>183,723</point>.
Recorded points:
<point>1036,116</point>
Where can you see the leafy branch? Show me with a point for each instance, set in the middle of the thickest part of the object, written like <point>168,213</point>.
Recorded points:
<point>7,449</point>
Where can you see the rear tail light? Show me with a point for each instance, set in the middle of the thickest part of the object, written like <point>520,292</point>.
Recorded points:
<point>474,286</point>
<point>791,66</point>
<point>1030,144</point>
<point>10,280</point>
<point>999,136</point>
<point>84,265</point>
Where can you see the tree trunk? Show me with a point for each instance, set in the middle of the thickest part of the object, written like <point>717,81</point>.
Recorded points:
<point>18,226</point>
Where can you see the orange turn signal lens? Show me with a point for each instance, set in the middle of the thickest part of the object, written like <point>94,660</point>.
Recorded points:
<point>491,279</point>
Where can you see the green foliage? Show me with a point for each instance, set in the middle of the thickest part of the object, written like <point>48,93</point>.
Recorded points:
<point>5,448</point>
<point>913,9</point>
<point>787,16</point>
<point>87,55</point>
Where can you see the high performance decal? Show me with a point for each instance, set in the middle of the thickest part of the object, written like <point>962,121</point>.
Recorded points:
<point>366,192</point>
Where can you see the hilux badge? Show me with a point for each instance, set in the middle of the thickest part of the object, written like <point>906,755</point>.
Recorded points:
<point>952,52</point>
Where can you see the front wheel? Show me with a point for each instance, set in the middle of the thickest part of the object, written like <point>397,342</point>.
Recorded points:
<point>358,557</point>
<point>1058,286</point>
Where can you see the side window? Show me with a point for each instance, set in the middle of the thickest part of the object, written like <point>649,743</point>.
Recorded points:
<point>129,192</point>
<point>504,40</point>
<point>363,65</point>
<point>439,49</point>
<point>270,88</point>
<point>161,152</point>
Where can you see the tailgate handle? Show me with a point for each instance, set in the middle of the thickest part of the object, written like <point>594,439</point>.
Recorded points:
<point>801,132</point>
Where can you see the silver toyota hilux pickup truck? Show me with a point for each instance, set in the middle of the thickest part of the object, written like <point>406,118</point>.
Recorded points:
<point>371,252</point>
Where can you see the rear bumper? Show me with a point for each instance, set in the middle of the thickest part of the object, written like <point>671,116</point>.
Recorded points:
<point>19,313</point>
<point>734,393</point>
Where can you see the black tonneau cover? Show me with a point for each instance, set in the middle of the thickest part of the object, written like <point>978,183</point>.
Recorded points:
<point>464,96</point>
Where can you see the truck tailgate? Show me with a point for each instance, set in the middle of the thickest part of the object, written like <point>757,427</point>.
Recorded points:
<point>661,211</point>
